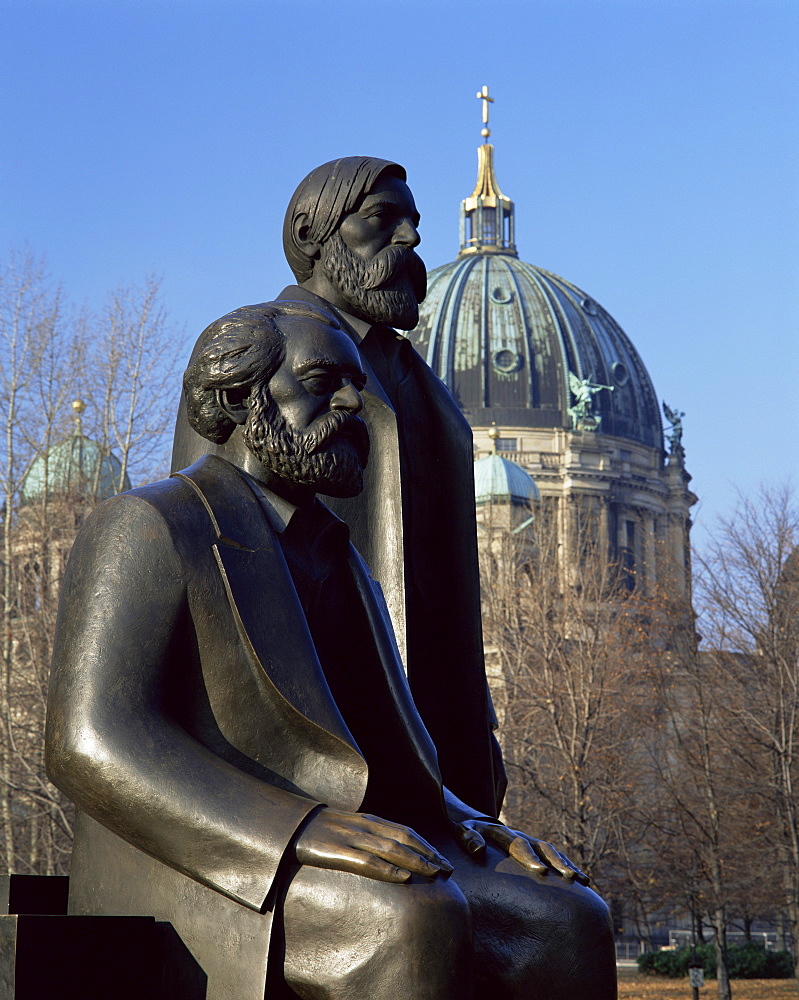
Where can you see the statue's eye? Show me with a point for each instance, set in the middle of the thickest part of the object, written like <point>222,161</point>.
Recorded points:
<point>328,383</point>
<point>321,383</point>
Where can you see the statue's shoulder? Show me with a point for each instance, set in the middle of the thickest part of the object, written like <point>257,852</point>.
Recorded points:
<point>173,511</point>
<point>145,532</point>
<point>210,480</point>
<point>167,498</point>
<point>167,529</point>
<point>155,515</point>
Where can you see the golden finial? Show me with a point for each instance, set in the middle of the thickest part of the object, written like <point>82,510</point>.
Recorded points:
<point>487,217</point>
<point>482,95</point>
<point>78,406</point>
<point>494,433</point>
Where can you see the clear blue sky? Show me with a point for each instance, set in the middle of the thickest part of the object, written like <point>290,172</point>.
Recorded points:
<point>651,149</point>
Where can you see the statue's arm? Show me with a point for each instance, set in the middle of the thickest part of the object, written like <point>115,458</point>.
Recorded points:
<point>112,746</point>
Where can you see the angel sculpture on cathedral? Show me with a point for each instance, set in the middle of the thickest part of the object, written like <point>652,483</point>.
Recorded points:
<point>584,391</point>
<point>674,417</point>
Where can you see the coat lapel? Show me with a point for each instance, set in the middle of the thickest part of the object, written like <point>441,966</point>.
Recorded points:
<point>377,615</point>
<point>265,605</point>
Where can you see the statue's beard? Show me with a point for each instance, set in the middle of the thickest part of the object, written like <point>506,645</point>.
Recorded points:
<point>330,455</point>
<point>386,289</point>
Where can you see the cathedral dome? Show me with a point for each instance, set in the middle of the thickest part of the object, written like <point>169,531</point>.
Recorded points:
<point>521,347</point>
<point>77,466</point>
<point>497,479</point>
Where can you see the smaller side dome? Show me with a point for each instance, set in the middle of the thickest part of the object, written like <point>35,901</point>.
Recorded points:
<point>498,480</point>
<point>78,466</point>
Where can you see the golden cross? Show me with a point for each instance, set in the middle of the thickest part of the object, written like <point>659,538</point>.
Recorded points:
<point>482,95</point>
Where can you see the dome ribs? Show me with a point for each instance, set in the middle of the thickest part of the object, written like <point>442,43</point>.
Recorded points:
<point>504,335</point>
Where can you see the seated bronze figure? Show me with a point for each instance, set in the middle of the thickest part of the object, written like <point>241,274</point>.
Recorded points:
<point>230,713</point>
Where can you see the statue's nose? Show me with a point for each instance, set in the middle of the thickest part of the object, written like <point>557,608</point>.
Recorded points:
<point>347,398</point>
<point>407,234</point>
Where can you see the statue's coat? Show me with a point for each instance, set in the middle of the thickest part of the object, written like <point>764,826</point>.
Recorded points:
<point>190,716</point>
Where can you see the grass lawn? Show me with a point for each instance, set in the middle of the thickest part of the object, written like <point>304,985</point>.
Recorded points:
<point>633,986</point>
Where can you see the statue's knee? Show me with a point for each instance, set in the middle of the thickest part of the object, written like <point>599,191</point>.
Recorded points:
<point>339,901</point>
<point>543,937</point>
<point>588,912</point>
<point>347,935</point>
<point>431,908</point>
<point>412,914</point>
<point>588,945</point>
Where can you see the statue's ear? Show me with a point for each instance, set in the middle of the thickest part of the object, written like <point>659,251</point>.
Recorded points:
<point>299,227</point>
<point>234,402</point>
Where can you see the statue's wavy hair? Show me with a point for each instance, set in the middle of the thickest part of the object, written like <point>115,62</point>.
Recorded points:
<point>238,353</point>
<point>326,195</point>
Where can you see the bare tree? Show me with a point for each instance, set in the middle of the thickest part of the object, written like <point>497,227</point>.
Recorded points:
<point>131,379</point>
<point>722,751</point>
<point>51,475</point>
<point>31,385</point>
<point>748,598</point>
<point>692,774</point>
<point>565,635</point>
<point>670,770</point>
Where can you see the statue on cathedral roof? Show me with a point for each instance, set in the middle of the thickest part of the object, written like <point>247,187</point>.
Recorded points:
<point>584,390</point>
<point>674,417</point>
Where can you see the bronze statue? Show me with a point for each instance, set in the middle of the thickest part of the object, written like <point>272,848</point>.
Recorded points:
<point>349,235</point>
<point>229,709</point>
<point>674,436</point>
<point>582,413</point>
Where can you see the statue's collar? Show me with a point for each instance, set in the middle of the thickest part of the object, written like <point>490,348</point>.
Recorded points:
<point>280,513</point>
<point>359,326</point>
<point>278,510</point>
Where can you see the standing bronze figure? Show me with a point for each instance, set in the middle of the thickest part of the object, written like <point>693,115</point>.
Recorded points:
<point>349,235</point>
<point>229,708</point>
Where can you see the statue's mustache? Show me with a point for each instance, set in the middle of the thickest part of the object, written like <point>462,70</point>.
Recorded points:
<point>331,426</point>
<point>391,262</point>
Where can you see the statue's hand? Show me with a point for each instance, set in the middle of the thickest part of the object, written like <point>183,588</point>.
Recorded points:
<point>367,845</point>
<point>535,855</point>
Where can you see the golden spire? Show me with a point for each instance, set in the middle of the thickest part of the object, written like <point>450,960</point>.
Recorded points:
<point>486,188</point>
<point>494,433</point>
<point>487,216</point>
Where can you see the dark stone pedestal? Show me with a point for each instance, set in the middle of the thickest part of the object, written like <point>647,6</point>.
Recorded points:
<point>34,894</point>
<point>45,955</point>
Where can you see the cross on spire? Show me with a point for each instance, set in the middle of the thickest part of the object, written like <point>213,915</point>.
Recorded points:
<point>482,95</point>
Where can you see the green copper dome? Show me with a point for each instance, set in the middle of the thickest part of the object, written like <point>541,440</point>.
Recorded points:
<point>77,466</point>
<point>497,479</point>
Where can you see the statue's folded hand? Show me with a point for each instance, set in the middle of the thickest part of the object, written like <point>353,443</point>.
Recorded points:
<point>367,845</point>
<point>535,855</point>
